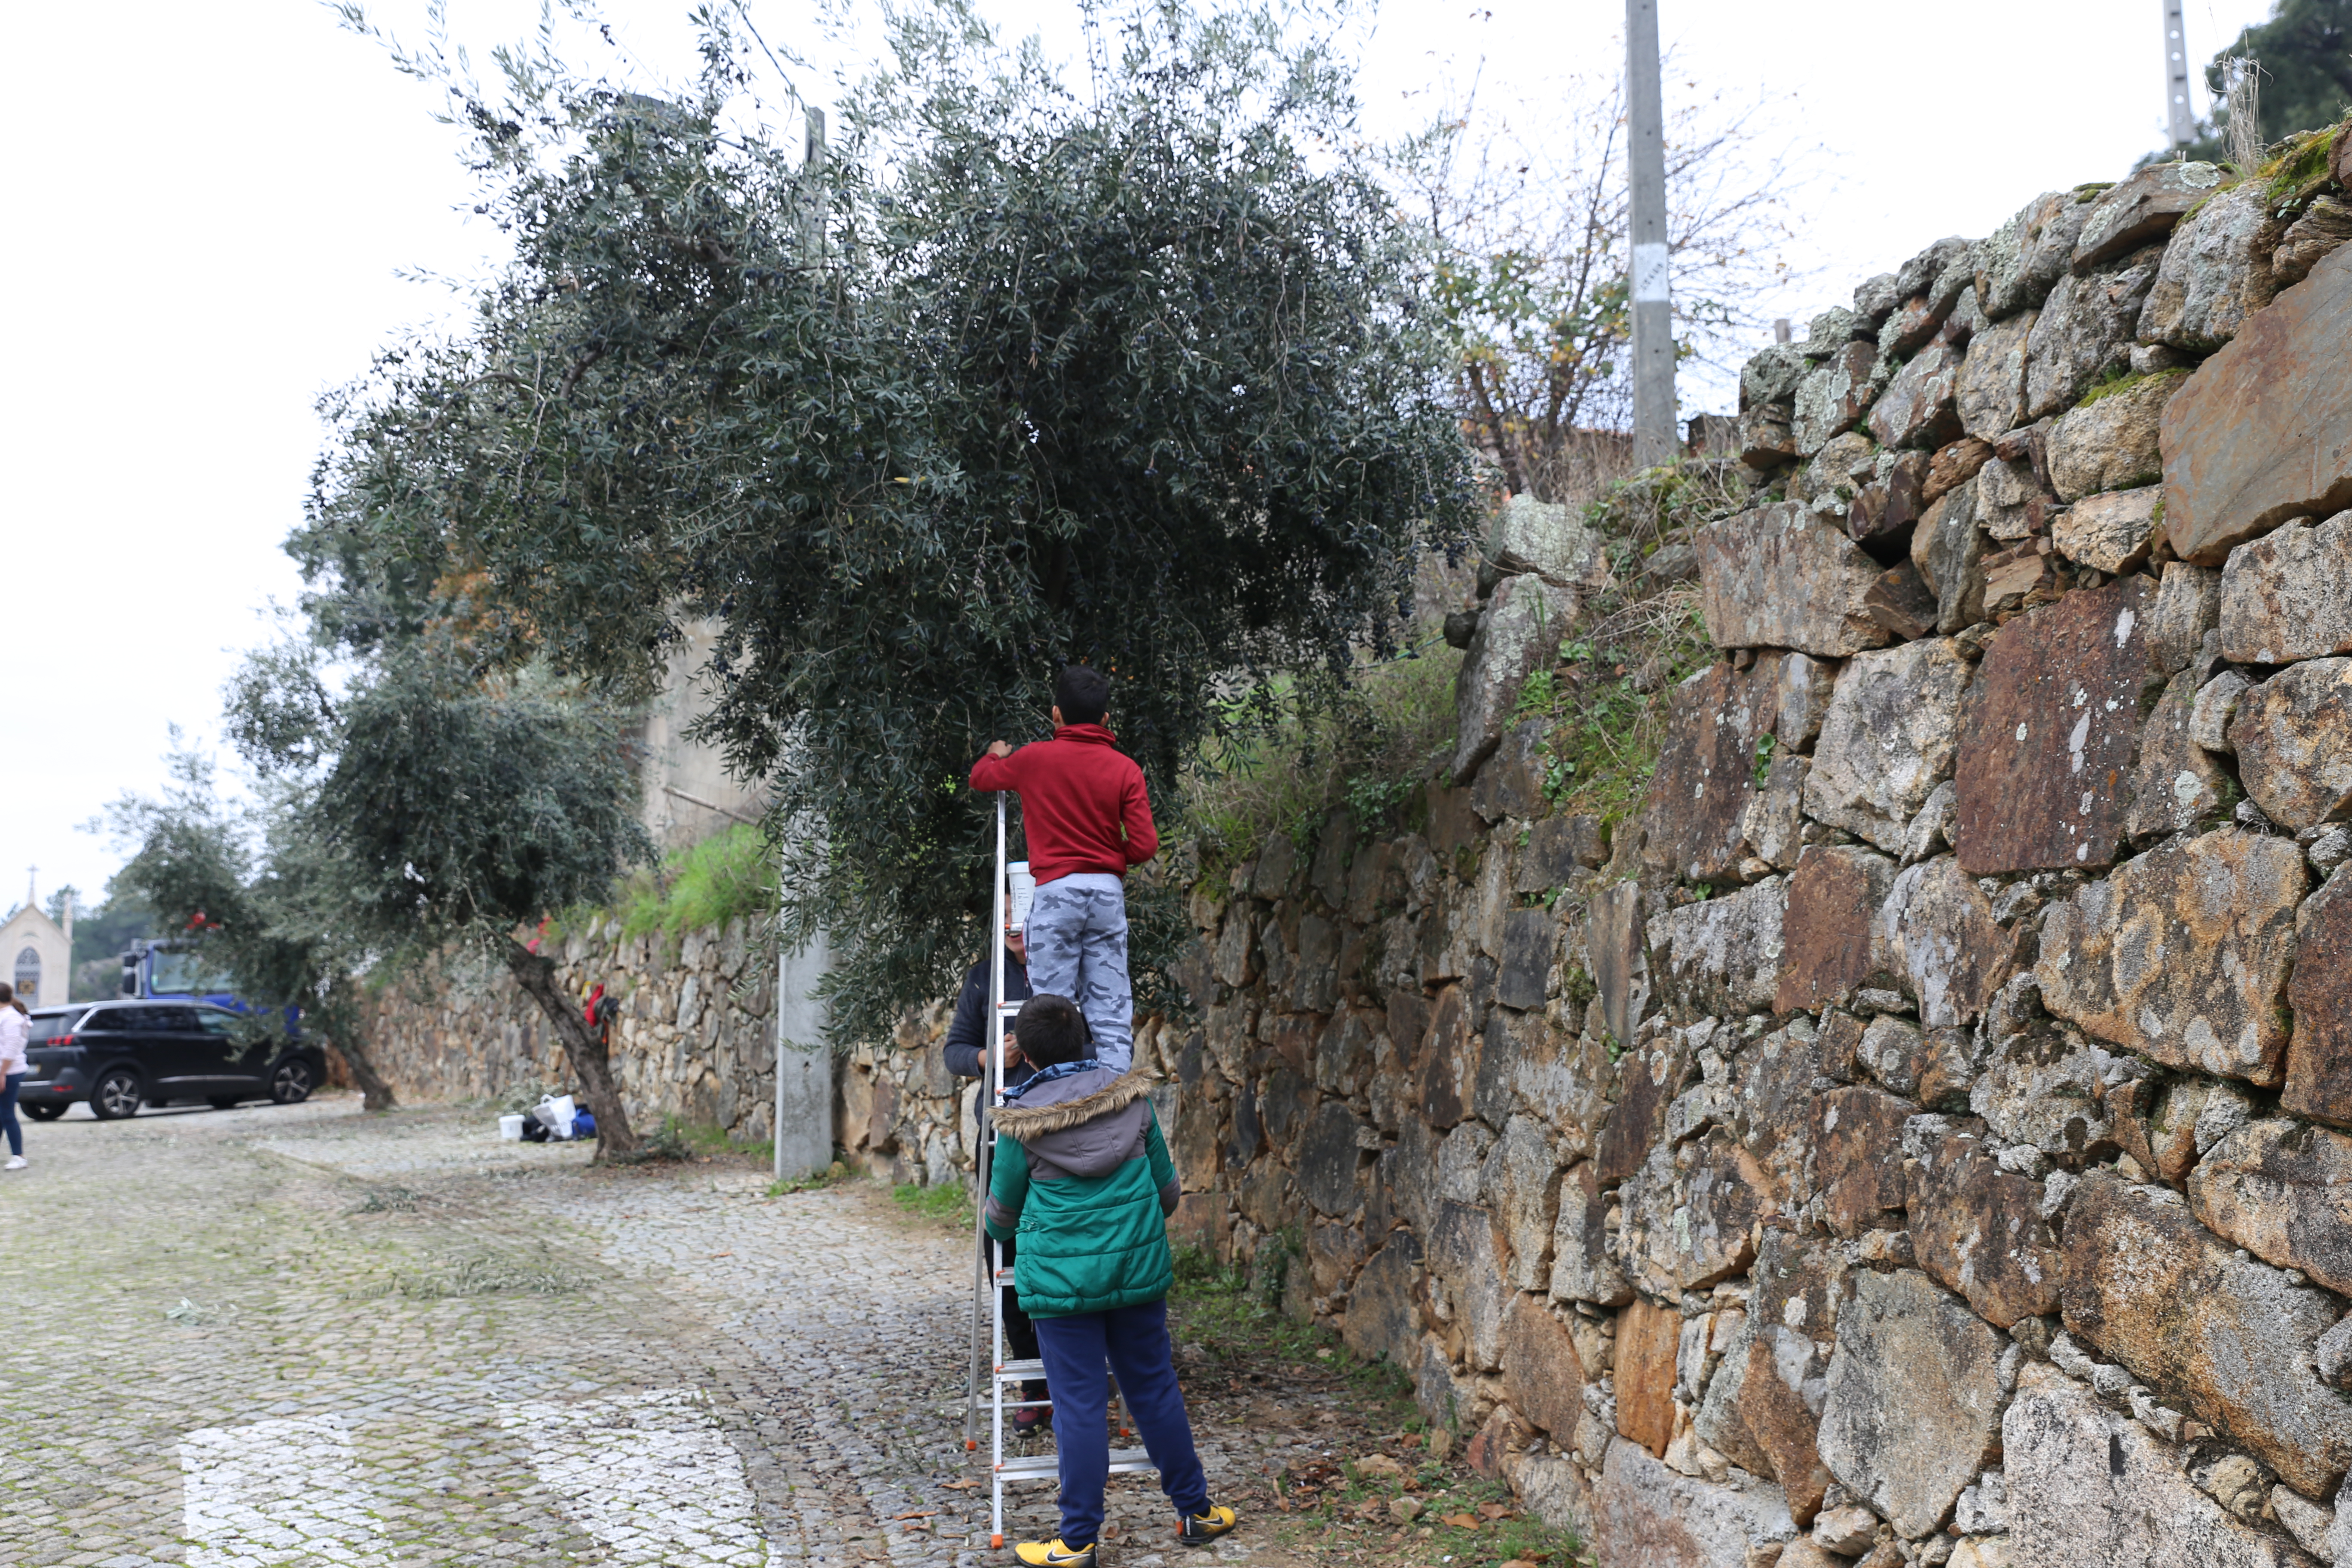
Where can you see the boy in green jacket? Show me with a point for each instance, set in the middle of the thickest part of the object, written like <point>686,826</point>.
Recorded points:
<point>1082,1176</point>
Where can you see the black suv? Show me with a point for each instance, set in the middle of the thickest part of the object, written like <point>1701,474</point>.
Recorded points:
<point>121,1055</point>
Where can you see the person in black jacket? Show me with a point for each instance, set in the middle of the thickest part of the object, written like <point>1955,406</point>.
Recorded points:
<point>966,1051</point>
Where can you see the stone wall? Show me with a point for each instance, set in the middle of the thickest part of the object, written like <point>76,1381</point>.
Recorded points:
<point>1914,1137</point>
<point>695,1035</point>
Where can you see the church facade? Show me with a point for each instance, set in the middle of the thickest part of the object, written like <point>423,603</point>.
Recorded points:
<point>36,957</point>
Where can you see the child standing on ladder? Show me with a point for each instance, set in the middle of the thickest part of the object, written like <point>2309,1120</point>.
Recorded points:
<point>1088,820</point>
<point>1082,1176</point>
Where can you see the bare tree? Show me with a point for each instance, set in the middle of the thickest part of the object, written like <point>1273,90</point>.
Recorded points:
<point>1527,206</point>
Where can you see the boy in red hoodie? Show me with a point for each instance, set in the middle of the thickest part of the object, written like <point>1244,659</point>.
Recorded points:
<point>1088,820</point>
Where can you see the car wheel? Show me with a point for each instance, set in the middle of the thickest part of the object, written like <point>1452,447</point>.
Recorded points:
<point>222,1101</point>
<point>115,1096</point>
<point>290,1084</point>
<point>42,1112</point>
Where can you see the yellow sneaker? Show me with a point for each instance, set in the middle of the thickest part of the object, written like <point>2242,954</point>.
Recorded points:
<point>1200,1529</point>
<point>1056,1554</point>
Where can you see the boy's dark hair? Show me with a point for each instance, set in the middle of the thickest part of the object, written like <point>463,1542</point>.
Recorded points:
<point>1082,694</point>
<point>1050,1030</point>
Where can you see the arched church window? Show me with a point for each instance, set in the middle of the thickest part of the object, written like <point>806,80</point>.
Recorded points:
<point>28,975</point>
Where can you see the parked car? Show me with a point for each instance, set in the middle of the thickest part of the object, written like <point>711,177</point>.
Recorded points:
<point>119,1055</point>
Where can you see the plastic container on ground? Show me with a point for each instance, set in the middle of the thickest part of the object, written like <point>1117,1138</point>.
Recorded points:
<point>510,1129</point>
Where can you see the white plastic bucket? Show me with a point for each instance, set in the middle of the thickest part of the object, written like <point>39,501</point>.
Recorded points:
<point>555,1113</point>
<point>510,1129</point>
<point>1022,888</point>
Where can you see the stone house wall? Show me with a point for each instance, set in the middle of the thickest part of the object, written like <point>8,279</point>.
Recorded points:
<point>1915,1136</point>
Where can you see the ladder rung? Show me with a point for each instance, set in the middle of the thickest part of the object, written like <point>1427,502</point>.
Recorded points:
<point>1018,1368</point>
<point>1008,1009</point>
<point>1048,1467</point>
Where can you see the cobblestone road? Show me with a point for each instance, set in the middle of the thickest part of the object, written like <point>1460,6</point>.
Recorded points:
<point>273,1336</point>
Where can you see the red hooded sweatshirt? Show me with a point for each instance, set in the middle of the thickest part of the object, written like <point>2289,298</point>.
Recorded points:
<point>1078,792</point>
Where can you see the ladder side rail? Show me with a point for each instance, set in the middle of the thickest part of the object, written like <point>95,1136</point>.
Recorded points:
<point>994,1083</point>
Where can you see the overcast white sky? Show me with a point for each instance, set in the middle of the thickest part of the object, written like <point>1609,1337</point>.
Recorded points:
<point>212,202</point>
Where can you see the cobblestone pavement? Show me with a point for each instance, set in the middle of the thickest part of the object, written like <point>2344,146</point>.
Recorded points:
<point>297,1336</point>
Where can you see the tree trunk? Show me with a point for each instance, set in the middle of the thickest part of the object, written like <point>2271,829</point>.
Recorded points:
<point>535,972</point>
<point>336,1015</point>
<point>376,1093</point>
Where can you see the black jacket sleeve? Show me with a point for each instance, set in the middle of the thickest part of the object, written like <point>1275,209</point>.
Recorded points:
<point>967,1039</point>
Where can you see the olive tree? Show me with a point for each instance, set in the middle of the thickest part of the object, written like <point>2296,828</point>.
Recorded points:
<point>234,885</point>
<point>1143,375</point>
<point>432,808</point>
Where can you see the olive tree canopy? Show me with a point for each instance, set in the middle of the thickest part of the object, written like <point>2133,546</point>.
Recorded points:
<point>1142,374</point>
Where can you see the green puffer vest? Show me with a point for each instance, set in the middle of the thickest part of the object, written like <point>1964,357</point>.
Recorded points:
<point>1084,1181</point>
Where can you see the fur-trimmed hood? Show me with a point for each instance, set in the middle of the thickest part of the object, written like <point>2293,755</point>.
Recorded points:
<point>1083,1125</point>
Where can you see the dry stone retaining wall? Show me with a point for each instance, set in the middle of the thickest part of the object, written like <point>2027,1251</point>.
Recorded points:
<point>1924,1148</point>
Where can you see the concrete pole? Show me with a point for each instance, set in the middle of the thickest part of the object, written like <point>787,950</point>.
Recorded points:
<point>1646,157</point>
<point>2176,77</point>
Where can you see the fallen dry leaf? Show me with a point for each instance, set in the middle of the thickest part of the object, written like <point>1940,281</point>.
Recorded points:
<point>1495,1510</point>
<point>1463,1520</point>
<point>958,1486</point>
<point>926,1514</point>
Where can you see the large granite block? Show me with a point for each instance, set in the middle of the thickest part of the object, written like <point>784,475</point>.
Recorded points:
<point>2084,331</point>
<point>2293,735</point>
<point>2183,953</point>
<point>2112,444</point>
<point>1936,925</point>
<point>1720,957</point>
<point>1552,541</point>
<point>1645,1514</point>
<point>2288,595</point>
<point>1777,577</point>
<point>2262,431</point>
<point>1520,631</point>
<point>2088,1486</point>
<point>1542,1377</point>
<point>2144,208</point>
<point>2319,1061</point>
<point>1762,1409</point>
<point>1981,1230</point>
<point>1858,1145</point>
<point>1832,399</point>
<point>1383,1304</point>
<point>2019,263</point>
<point>1990,391</point>
<point>2281,1190</point>
<point>2146,1285</point>
<point>1690,1214</point>
<point>1917,408</point>
<point>2216,272</point>
<point>1913,1405</point>
<point>1889,739</point>
<point>2045,751</point>
<point>1583,1268</point>
<point>1698,798</point>
<point>1648,1336</point>
<point>1649,1078</point>
<point>1834,896</point>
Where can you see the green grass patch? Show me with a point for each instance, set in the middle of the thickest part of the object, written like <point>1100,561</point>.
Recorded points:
<point>947,1203</point>
<point>1234,1319</point>
<point>815,1182</point>
<point>729,875</point>
<point>1296,751</point>
<point>2117,381</point>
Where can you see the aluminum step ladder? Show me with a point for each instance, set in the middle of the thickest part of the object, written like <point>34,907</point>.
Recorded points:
<point>991,1276</point>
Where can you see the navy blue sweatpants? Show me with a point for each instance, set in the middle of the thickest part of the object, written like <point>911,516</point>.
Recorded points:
<point>1133,1343</point>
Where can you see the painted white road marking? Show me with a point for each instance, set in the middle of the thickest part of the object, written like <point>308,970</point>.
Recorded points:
<point>278,1493</point>
<point>649,1475</point>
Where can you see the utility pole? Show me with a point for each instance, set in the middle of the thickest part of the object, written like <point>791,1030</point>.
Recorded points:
<point>2176,77</point>
<point>1645,158</point>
